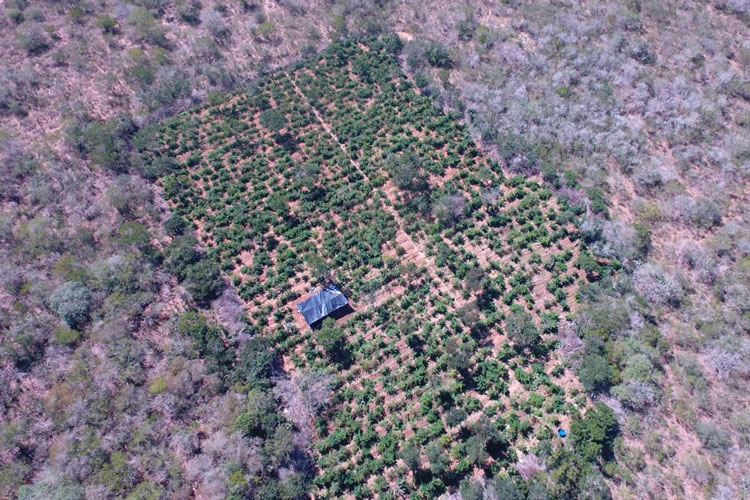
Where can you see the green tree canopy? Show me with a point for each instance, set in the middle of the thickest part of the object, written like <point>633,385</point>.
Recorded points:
<point>593,435</point>
<point>273,120</point>
<point>72,302</point>
<point>520,327</point>
<point>255,360</point>
<point>333,340</point>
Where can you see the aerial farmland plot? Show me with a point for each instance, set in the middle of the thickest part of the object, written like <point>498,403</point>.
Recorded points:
<point>336,170</point>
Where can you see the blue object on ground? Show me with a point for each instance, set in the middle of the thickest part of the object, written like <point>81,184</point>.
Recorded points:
<point>561,433</point>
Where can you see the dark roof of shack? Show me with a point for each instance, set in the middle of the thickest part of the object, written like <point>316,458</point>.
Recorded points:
<point>323,303</point>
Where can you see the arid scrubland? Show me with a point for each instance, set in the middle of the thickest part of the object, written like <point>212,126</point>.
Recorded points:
<point>138,361</point>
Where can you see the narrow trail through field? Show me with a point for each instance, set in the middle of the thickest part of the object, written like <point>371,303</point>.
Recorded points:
<point>407,242</point>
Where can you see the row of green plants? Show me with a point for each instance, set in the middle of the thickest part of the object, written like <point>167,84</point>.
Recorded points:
<point>280,202</point>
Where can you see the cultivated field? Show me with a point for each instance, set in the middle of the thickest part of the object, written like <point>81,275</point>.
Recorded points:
<point>460,278</point>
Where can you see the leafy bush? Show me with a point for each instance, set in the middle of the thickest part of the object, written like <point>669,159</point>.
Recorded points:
<point>437,55</point>
<point>72,302</point>
<point>208,340</point>
<point>595,371</point>
<point>176,225</point>
<point>206,50</point>
<point>260,417</point>
<point>411,457</point>
<point>705,213</point>
<point>407,172</point>
<point>199,273</point>
<point>503,487</point>
<point>593,435</point>
<point>333,340</point>
<point>713,437</point>
<point>181,254</point>
<point>273,120</point>
<point>466,28</point>
<point>170,84</point>
<point>455,416</point>
<point>265,30</point>
<point>520,327</point>
<point>50,489</point>
<point>66,336</point>
<point>147,27</point>
<point>471,489</point>
<point>189,11</point>
<point>203,281</point>
<point>618,239</point>
<point>107,24</point>
<point>106,144</point>
<point>642,53</point>
<point>392,43</point>
<point>34,41</point>
<point>15,15</point>
<point>254,362</point>
<point>449,208</point>
<point>439,461</point>
<point>594,487</point>
<point>637,394</point>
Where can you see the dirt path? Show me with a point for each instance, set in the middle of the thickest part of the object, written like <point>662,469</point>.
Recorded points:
<point>404,239</point>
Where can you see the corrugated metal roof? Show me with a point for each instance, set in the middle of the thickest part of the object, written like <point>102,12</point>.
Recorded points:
<point>323,303</point>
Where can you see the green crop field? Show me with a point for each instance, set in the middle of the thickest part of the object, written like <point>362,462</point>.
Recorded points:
<point>338,170</point>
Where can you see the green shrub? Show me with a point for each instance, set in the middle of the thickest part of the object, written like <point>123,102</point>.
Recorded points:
<point>176,225</point>
<point>65,336</point>
<point>595,373</point>
<point>593,435</point>
<point>72,302</point>
<point>147,27</point>
<point>189,11</point>
<point>273,120</point>
<point>181,254</point>
<point>254,362</point>
<point>333,340</point>
<point>107,144</point>
<point>48,488</point>
<point>713,437</point>
<point>455,416</point>
<point>107,24</point>
<point>14,15</point>
<point>265,30</point>
<point>158,385</point>
<point>392,43</point>
<point>438,56</point>
<point>521,329</point>
<point>203,281</point>
<point>34,41</point>
<point>208,340</point>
